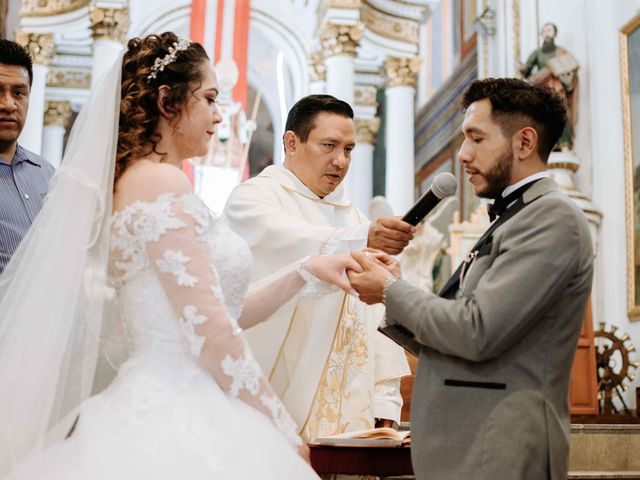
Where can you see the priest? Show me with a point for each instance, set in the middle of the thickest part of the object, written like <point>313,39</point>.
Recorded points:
<point>325,358</point>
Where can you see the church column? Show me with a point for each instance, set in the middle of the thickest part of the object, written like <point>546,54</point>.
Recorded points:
<point>360,177</point>
<point>400,81</point>
<point>56,120</point>
<point>317,73</point>
<point>361,170</point>
<point>109,27</point>
<point>41,48</point>
<point>339,43</point>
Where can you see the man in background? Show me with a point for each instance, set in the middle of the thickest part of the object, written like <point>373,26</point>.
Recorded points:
<point>24,176</point>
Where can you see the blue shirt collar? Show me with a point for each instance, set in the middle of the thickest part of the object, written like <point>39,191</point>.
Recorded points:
<point>24,155</point>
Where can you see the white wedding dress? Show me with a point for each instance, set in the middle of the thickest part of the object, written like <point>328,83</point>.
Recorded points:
<point>190,402</point>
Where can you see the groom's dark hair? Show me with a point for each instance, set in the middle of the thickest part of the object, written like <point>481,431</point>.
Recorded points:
<point>302,115</point>
<point>12,53</point>
<point>516,104</point>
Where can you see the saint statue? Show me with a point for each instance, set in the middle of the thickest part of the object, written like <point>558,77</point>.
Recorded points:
<point>556,68</point>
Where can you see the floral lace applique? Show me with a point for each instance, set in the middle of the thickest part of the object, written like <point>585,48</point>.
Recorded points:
<point>281,418</point>
<point>245,373</point>
<point>194,207</point>
<point>141,222</point>
<point>168,235</point>
<point>219,294</point>
<point>314,287</point>
<point>190,319</point>
<point>174,262</point>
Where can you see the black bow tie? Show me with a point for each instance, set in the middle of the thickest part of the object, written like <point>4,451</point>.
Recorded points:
<point>500,205</point>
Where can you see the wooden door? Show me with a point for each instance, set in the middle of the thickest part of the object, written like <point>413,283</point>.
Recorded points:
<point>583,395</point>
<point>406,388</point>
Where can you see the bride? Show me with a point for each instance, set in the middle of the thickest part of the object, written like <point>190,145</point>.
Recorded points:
<point>125,255</point>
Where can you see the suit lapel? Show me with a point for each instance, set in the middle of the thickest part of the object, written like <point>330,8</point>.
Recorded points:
<point>536,190</point>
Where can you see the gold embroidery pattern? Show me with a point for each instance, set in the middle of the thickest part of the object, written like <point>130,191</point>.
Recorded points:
<point>349,355</point>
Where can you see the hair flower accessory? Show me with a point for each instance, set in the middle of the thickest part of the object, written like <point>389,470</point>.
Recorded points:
<point>160,63</point>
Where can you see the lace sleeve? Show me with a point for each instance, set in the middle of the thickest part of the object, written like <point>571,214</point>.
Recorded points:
<point>180,256</point>
<point>290,284</point>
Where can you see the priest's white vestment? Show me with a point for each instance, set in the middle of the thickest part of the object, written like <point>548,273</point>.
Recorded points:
<point>331,367</point>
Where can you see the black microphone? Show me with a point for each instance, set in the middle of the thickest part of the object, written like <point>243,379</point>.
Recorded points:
<point>443,185</point>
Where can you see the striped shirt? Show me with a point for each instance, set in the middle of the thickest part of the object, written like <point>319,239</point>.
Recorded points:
<point>23,185</point>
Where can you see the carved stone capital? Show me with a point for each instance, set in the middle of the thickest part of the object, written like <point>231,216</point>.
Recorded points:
<point>40,45</point>
<point>57,113</point>
<point>109,23</point>
<point>367,130</point>
<point>340,39</point>
<point>44,8</point>
<point>401,71</point>
<point>317,68</point>
<point>365,95</point>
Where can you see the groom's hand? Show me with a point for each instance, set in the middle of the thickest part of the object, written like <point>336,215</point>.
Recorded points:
<point>387,260</point>
<point>370,282</point>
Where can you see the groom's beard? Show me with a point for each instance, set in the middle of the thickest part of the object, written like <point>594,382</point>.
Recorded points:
<point>498,176</point>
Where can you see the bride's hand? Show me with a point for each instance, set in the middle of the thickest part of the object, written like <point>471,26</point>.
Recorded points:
<point>389,262</point>
<point>330,268</point>
<point>305,453</point>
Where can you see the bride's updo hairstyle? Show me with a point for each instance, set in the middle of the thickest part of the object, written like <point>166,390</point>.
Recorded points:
<point>139,113</point>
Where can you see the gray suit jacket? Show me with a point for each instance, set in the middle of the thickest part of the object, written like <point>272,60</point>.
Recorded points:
<point>490,398</point>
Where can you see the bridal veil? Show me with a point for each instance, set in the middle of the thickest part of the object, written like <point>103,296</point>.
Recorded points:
<point>54,296</point>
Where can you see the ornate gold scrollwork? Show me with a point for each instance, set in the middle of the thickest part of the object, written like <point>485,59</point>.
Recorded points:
<point>40,45</point>
<point>109,23</point>
<point>57,112</point>
<point>45,8</point>
<point>367,130</point>
<point>340,39</point>
<point>317,68</point>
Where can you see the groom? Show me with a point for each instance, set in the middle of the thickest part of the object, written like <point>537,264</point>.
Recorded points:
<point>496,346</point>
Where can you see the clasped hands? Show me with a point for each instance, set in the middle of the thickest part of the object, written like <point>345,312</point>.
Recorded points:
<point>387,236</point>
<point>367,269</point>
<point>366,272</point>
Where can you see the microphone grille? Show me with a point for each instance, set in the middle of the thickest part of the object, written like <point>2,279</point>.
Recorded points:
<point>444,185</point>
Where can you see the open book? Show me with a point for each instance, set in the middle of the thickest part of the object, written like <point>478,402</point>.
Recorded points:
<point>376,437</point>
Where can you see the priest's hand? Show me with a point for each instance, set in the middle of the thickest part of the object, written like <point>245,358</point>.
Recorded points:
<point>390,234</point>
<point>384,423</point>
<point>369,283</point>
